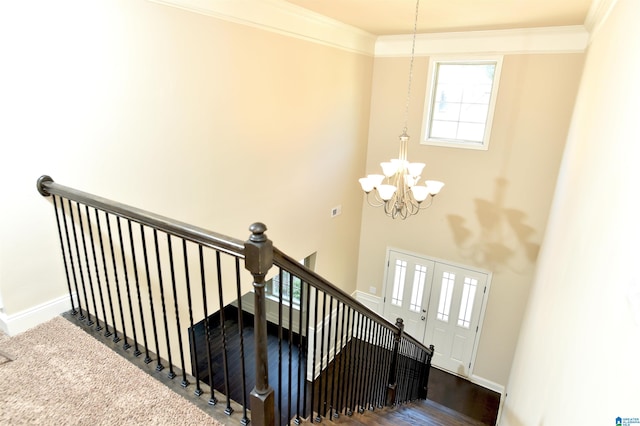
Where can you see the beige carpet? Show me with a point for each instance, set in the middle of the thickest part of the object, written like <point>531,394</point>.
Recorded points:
<point>62,376</point>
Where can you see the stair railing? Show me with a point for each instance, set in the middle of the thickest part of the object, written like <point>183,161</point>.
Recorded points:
<point>139,278</point>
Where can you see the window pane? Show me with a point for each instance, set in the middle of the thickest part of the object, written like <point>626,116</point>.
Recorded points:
<point>446,290</point>
<point>398,282</point>
<point>470,132</point>
<point>418,288</point>
<point>474,113</point>
<point>466,305</point>
<point>446,111</point>
<point>478,94</point>
<point>448,93</point>
<point>444,129</point>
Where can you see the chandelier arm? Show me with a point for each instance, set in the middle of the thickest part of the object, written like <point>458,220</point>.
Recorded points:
<point>426,206</point>
<point>377,202</point>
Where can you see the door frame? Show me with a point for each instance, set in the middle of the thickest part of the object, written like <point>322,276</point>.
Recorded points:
<point>485,298</point>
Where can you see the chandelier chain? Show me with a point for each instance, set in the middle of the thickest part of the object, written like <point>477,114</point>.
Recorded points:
<point>413,51</point>
<point>398,188</point>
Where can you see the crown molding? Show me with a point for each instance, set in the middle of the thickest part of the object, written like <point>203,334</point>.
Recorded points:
<point>567,39</point>
<point>598,14</point>
<point>285,18</point>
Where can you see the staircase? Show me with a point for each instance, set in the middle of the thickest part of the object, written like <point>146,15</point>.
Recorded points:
<point>147,282</point>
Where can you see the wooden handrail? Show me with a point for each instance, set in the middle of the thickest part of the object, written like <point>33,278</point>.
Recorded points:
<point>46,187</point>
<point>294,267</point>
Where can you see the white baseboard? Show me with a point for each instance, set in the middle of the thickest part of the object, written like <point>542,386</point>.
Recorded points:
<point>29,318</point>
<point>496,387</point>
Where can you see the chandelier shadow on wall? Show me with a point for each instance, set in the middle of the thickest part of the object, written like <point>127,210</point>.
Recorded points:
<point>397,189</point>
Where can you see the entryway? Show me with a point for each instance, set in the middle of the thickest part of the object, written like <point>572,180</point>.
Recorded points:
<point>441,304</point>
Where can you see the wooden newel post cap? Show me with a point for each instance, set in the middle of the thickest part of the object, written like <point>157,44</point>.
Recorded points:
<point>258,250</point>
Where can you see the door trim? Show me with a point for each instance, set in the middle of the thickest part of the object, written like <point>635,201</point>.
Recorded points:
<point>485,299</point>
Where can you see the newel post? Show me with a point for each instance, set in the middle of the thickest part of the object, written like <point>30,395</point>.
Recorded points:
<point>258,260</point>
<point>393,381</point>
<point>425,377</point>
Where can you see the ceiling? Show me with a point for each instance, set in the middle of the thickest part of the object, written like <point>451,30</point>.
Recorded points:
<point>385,17</point>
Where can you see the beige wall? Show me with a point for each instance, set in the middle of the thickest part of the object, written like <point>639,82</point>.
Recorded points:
<point>209,122</point>
<point>492,212</point>
<point>577,358</point>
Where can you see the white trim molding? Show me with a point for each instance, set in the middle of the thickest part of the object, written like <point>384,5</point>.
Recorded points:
<point>370,301</point>
<point>598,14</point>
<point>284,18</point>
<point>487,384</point>
<point>22,321</point>
<point>567,39</point>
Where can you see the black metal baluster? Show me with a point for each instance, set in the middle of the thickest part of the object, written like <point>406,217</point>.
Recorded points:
<point>369,371</point>
<point>228,410</point>
<point>409,370</point>
<point>184,383</point>
<point>382,383</point>
<point>117,283</point>
<point>343,359</point>
<point>78,257</point>
<point>171,374</point>
<point>382,367</point>
<point>64,256</point>
<point>403,371</point>
<point>245,420</point>
<point>88,268</point>
<point>301,355</point>
<point>315,344</point>
<point>135,274</point>
<point>415,379</point>
<point>75,241</point>
<point>128,288</point>
<point>348,360</point>
<point>97,273</point>
<point>337,361</point>
<point>412,387</point>
<point>335,355</point>
<point>327,403</point>
<point>107,333</point>
<point>421,363</point>
<point>207,329</point>
<point>375,368</point>
<point>321,402</point>
<point>192,335</point>
<point>73,267</point>
<point>280,298</point>
<point>289,382</point>
<point>387,366</point>
<point>373,394</point>
<point>356,372</point>
<point>409,366</point>
<point>147,358</point>
<point>362,381</point>
<point>306,355</point>
<point>387,362</point>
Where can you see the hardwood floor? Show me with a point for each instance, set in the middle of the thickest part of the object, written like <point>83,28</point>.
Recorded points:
<point>451,399</point>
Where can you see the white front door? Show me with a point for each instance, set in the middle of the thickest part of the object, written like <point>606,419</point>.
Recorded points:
<point>440,304</point>
<point>454,316</point>
<point>407,291</point>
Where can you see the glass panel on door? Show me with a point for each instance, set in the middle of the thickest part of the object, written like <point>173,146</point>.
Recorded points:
<point>418,288</point>
<point>446,291</point>
<point>398,282</point>
<point>466,305</point>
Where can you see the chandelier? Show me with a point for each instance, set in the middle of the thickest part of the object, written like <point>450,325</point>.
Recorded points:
<point>398,188</point>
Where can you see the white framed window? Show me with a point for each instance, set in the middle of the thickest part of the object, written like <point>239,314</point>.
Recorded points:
<point>291,285</point>
<point>460,101</point>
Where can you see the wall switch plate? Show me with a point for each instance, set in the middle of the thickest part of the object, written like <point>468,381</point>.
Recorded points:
<point>336,211</point>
